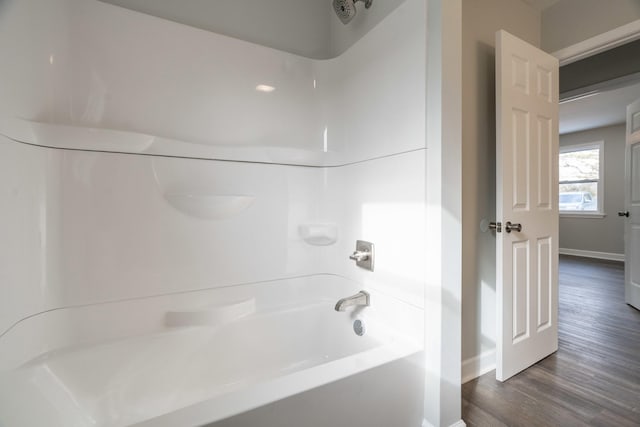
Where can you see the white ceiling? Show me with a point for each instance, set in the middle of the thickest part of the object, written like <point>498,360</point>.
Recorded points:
<point>602,109</point>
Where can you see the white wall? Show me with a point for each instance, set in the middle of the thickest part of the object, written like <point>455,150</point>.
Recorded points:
<point>100,242</point>
<point>478,160</point>
<point>571,21</point>
<point>600,234</point>
<point>145,81</point>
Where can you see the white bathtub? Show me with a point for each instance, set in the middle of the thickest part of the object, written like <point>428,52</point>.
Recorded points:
<point>194,358</point>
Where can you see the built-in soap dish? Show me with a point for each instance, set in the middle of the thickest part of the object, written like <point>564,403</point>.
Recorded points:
<point>319,234</point>
<point>209,206</point>
<point>216,315</point>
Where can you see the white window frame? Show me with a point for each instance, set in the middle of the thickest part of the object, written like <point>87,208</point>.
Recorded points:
<point>599,213</point>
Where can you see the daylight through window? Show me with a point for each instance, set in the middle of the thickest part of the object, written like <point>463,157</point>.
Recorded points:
<point>580,178</point>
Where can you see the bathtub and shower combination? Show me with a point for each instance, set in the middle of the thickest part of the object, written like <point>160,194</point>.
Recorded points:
<point>181,207</point>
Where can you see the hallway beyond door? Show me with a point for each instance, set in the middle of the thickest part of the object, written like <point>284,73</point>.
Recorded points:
<point>593,378</point>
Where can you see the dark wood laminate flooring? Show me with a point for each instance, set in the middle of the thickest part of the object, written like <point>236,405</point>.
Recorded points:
<point>594,377</point>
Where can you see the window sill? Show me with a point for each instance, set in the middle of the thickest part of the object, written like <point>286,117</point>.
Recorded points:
<point>579,214</point>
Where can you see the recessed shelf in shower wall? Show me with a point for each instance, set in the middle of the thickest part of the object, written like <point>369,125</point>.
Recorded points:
<point>319,234</point>
<point>209,206</point>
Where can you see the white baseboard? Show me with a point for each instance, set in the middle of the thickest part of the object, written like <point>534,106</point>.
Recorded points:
<point>478,365</point>
<point>592,254</point>
<point>459,423</point>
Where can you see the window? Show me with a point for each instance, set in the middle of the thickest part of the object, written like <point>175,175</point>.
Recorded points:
<point>581,171</point>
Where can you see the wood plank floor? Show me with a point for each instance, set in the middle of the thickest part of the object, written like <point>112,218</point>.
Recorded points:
<point>594,377</point>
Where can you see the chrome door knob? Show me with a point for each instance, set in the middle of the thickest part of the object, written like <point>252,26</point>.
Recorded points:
<point>509,227</point>
<point>624,213</point>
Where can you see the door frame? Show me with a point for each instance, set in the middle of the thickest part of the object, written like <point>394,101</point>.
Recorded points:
<point>485,362</point>
<point>598,44</point>
<point>631,291</point>
<point>443,288</point>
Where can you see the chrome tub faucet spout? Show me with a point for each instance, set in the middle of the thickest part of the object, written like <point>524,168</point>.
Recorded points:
<point>362,298</point>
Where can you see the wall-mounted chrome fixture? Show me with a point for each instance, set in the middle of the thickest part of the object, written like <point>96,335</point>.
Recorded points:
<point>362,298</point>
<point>346,9</point>
<point>363,256</point>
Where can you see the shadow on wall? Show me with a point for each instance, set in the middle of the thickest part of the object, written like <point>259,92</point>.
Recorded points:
<point>480,259</point>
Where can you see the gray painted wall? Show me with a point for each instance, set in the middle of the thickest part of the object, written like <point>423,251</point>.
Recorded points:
<point>478,158</point>
<point>297,26</point>
<point>341,36</point>
<point>600,234</point>
<point>571,21</point>
<point>304,27</point>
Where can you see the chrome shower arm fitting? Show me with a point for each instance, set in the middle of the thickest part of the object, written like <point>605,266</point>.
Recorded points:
<point>346,9</point>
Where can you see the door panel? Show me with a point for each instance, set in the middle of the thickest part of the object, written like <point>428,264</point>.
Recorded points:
<point>520,159</point>
<point>635,121</point>
<point>634,267</point>
<point>520,291</point>
<point>632,205</point>
<point>635,173</point>
<point>526,194</point>
<point>545,283</point>
<point>544,83</point>
<point>545,163</point>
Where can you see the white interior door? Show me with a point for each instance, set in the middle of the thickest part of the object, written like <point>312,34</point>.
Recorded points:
<point>527,197</point>
<point>632,205</point>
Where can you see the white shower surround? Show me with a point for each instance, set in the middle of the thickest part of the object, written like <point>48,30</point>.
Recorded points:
<point>115,162</point>
<point>193,93</point>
